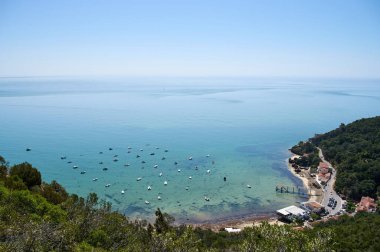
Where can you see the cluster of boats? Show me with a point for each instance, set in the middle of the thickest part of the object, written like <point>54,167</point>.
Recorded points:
<point>155,166</point>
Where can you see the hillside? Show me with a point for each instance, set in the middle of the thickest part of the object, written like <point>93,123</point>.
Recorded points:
<point>354,149</point>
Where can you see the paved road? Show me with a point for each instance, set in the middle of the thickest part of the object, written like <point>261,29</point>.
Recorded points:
<point>329,190</point>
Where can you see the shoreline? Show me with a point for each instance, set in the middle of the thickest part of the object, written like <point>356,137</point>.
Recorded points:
<point>307,180</point>
<point>256,220</point>
<point>240,223</point>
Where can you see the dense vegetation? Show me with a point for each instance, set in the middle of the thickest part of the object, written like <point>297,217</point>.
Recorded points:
<point>359,233</point>
<point>39,216</point>
<point>309,155</point>
<point>353,149</point>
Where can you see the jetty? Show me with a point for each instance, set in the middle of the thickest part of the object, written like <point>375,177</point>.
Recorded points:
<point>294,190</point>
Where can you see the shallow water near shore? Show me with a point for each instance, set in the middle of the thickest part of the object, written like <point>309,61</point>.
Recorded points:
<point>239,129</point>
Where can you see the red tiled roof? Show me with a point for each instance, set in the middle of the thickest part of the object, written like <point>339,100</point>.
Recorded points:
<point>366,203</point>
<point>323,165</point>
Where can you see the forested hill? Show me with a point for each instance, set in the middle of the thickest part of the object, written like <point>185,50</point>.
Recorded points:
<point>354,149</point>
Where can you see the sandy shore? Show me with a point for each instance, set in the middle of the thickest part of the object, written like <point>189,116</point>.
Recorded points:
<point>239,223</point>
<point>307,180</point>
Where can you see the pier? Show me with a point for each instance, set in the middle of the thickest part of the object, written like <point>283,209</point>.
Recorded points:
<point>294,190</point>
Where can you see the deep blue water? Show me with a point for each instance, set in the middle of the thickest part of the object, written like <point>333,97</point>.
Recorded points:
<point>245,125</point>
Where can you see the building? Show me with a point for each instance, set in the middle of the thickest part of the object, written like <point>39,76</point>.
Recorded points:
<point>232,230</point>
<point>324,174</point>
<point>292,212</point>
<point>366,204</point>
<point>313,207</point>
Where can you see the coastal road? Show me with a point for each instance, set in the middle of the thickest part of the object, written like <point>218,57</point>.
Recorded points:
<point>329,191</point>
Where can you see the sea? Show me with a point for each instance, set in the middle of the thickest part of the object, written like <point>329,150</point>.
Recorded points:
<point>200,149</point>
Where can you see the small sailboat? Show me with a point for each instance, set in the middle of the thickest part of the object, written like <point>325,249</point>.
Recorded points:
<point>208,155</point>
<point>63,157</point>
<point>108,185</point>
<point>105,169</point>
<point>152,154</point>
<point>83,172</point>
<point>165,182</point>
<point>190,158</point>
<point>122,191</point>
<point>190,177</point>
<point>149,188</point>
<point>163,158</point>
<point>208,171</point>
<point>139,178</point>
<point>141,150</point>
<point>155,166</point>
<point>126,165</point>
<point>115,160</point>
<point>95,179</point>
<point>147,202</point>
<point>75,167</point>
<point>249,186</point>
<point>129,148</point>
<point>207,198</point>
<point>160,174</point>
<point>159,197</point>
<point>179,170</point>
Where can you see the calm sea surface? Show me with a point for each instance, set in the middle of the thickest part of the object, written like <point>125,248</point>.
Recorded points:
<point>234,128</point>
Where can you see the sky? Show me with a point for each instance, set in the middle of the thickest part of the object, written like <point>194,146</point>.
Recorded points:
<point>293,38</point>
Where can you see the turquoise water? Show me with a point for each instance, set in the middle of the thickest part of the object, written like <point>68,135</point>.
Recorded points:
<point>244,125</point>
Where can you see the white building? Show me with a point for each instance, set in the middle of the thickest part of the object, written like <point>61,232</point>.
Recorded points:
<point>291,211</point>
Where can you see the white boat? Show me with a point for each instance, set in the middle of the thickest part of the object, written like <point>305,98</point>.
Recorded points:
<point>108,185</point>
<point>179,170</point>
<point>149,188</point>
<point>190,158</point>
<point>207,199</point>
<point>95,179</point>
<point>83,172</point>
<point>208,155</point>
<point>159,197</point>
<point>146,202</point>
<point>160,174</point>
<point>249,186</point>
<point>190,177</point>
<point>138,179</point>
<point>155,166</point>
<point>208,171</point>
<point>126,165</point>
<point>75,167</point>
<point>166,182</point>
<point>122,192</point>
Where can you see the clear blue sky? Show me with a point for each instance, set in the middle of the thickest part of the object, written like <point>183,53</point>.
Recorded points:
<point>328,38</point>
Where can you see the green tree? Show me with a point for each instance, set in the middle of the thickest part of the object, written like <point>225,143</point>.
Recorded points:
<point>30,175</point>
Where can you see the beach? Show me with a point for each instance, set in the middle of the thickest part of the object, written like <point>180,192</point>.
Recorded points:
<point>316,194</point>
